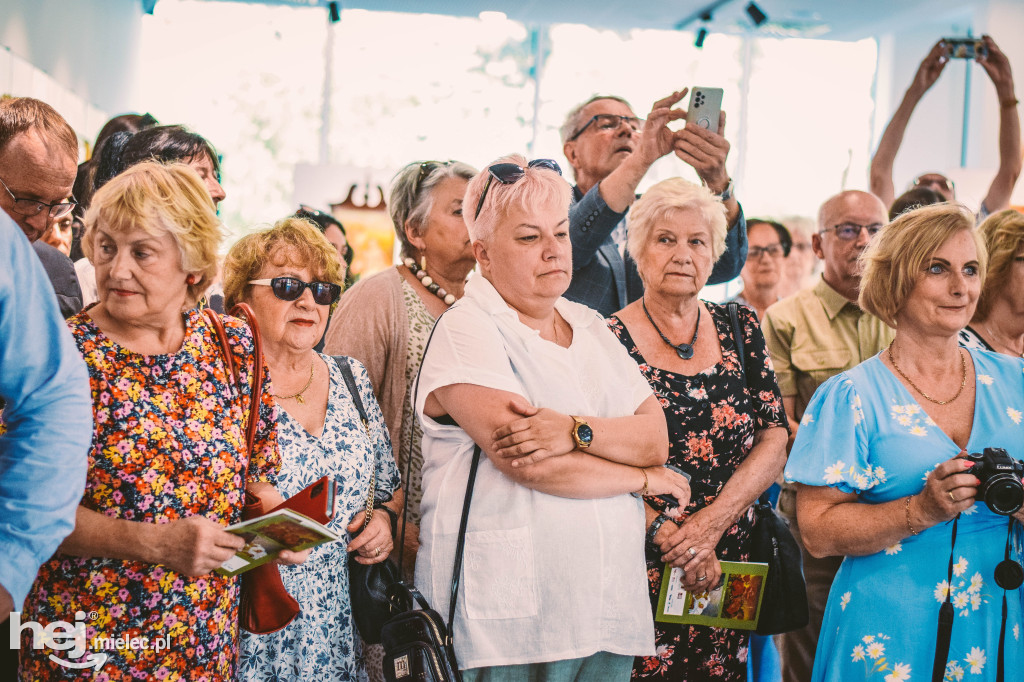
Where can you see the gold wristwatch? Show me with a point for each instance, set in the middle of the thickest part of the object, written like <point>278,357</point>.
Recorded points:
<point>582,434</point>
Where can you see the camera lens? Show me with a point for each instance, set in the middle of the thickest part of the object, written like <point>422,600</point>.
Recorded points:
<point>1004,494</point>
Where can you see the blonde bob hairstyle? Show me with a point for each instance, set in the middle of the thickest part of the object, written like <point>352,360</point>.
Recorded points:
<point>159,199</point>
<point>293,241</point>
<point>537,187</point>
<point>667,198</point>
<point>895,260</point>
<point>1003,234</point>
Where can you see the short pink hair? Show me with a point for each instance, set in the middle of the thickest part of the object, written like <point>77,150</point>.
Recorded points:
<point>537,186</point>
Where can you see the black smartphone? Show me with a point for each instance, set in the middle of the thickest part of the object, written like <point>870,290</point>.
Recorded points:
<point>964,48</point>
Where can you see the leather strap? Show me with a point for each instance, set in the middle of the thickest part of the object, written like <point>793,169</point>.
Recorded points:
<point>256,392</point>
<point>944,634</point>
<point>737,336</point>
<point>346,371</point>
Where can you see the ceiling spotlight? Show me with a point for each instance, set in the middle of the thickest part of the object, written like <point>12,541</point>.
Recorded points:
<point>756,15</point>
<point>702,33</point>
<point>334,12</point>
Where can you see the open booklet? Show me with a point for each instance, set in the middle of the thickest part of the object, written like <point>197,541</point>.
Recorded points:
<point>734,603</point>
<point>266,536</point>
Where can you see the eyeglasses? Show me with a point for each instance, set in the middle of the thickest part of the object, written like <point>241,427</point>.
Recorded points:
<point>850,231</point>
<point>933,181</point>
<point>609,122</point>
<point>509,174</point>
<point>773,250</point>
<point>290,288</point>
<point>30,208</point>
<point>426,168</point>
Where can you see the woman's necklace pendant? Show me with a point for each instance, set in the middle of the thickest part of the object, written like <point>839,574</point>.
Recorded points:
<point>684,351</point>
<point>300,400</point>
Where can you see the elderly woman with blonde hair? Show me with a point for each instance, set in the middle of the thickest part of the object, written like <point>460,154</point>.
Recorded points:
<point>554,583</point>
<point>169,465</point>
<point>998,323</point>
<point>726,430</point>
<point>881,459</point>
<point>291,276</point>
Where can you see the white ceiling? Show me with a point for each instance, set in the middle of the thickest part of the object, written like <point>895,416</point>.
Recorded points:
<point>833,19</point>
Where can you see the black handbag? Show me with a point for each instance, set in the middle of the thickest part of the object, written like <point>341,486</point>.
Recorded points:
<point>369,584</point>
<point>417,642</point>
<point>784,604</point>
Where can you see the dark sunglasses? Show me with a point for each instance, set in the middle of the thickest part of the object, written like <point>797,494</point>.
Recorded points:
<point>509,174</point>
<point>426,168</point>
<point>290,288</point>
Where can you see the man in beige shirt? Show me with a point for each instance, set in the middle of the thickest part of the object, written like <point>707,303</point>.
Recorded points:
<point>811,336</point>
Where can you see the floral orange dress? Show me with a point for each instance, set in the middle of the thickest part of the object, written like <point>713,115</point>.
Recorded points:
<point>168,443</point>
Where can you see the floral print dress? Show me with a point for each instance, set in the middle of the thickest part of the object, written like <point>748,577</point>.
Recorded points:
<point>321,643</point>
<point>168,443</point>
<point>864,433</point>
<point>712,417</point>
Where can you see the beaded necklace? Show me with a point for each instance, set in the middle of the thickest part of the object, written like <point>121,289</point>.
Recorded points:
<point>428,282</point>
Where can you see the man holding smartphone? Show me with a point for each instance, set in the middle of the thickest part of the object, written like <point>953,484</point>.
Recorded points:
<point>997,66</point>
<point>610,150</point>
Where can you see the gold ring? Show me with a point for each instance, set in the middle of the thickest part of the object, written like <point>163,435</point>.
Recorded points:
<point>692,551</point>
<point>702,578</point>
<point>376,552</point>
<point>951,496</point>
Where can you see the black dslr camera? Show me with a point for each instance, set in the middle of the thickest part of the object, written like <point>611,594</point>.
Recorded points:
<point>1000,480</point>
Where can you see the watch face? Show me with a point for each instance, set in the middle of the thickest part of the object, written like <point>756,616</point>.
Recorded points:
<point>584,433</point>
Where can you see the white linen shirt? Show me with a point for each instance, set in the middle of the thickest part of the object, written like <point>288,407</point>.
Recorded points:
<point>545,578</point>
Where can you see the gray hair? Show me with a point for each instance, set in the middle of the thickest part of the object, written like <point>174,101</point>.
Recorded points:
<point>412,193</point>
<point>572,120</point>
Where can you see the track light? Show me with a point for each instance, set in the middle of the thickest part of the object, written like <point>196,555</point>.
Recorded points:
<point>334,12</point>
<point>756,15</point>
<point>702,33</point>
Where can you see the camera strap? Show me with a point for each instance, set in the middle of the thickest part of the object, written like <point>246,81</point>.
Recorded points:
<point>945,631</point>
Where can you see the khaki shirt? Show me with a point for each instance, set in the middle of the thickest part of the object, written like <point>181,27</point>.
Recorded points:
<point>815,334</point>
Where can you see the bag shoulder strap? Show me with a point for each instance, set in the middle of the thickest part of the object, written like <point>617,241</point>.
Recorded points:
<point>737,336</point>
<point>460,544</point>
<point>345,366</point>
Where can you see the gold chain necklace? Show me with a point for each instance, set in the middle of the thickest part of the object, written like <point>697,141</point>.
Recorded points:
<point>298,396</point>
<point>963,380</point>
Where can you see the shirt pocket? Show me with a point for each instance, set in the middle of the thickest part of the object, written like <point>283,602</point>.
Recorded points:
<point>499,574</point>
<point>820,364</point>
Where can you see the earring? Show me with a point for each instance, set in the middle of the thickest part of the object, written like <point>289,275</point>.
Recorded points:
<point>423,262</point>
<point>190,280</point>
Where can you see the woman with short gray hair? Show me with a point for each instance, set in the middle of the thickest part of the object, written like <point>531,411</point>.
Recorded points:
<point>384,320</point>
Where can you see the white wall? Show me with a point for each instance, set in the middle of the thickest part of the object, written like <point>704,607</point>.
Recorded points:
<point>933,138</point>
<point>79,56</point>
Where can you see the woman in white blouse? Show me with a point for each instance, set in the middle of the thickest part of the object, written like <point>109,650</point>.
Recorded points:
<point>554,585</point>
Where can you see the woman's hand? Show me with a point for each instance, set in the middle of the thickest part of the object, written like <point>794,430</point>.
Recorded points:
<point>542,433</point>
<point>692,548</point>
<point>663,481</point>
<point>374,543</point>
<point>948,490</point>
<point>930,69</point>
<point>193,546</point>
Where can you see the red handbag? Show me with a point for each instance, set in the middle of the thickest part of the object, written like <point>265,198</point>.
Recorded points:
<point>265,605</point>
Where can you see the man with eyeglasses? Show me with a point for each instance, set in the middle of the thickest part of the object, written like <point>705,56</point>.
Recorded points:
<point>813,335</point>
<point>38,164</point>
<point>997,66</point>
<point>610,150</point>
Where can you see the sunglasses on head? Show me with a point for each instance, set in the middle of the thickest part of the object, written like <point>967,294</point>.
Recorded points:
<point>509,174</point>
<point>290,288</point>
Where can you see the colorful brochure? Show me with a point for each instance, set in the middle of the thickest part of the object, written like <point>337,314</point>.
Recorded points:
<point>268,535</point>
<point>734,603</point>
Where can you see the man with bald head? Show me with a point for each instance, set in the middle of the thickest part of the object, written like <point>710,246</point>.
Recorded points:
<point>38,164</point>
<point>813,335</point>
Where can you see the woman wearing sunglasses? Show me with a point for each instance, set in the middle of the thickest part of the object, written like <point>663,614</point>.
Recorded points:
<point>554,582</point>
<point>291,276</point>
<point>384,320</point>
<point>168,465</point>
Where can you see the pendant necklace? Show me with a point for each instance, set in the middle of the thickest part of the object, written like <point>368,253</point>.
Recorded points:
<point>298,396</point>
<point>683,350</point>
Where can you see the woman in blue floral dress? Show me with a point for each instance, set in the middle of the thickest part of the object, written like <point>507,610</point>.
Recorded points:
<point>879,454</point>
<point>291,276</point>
